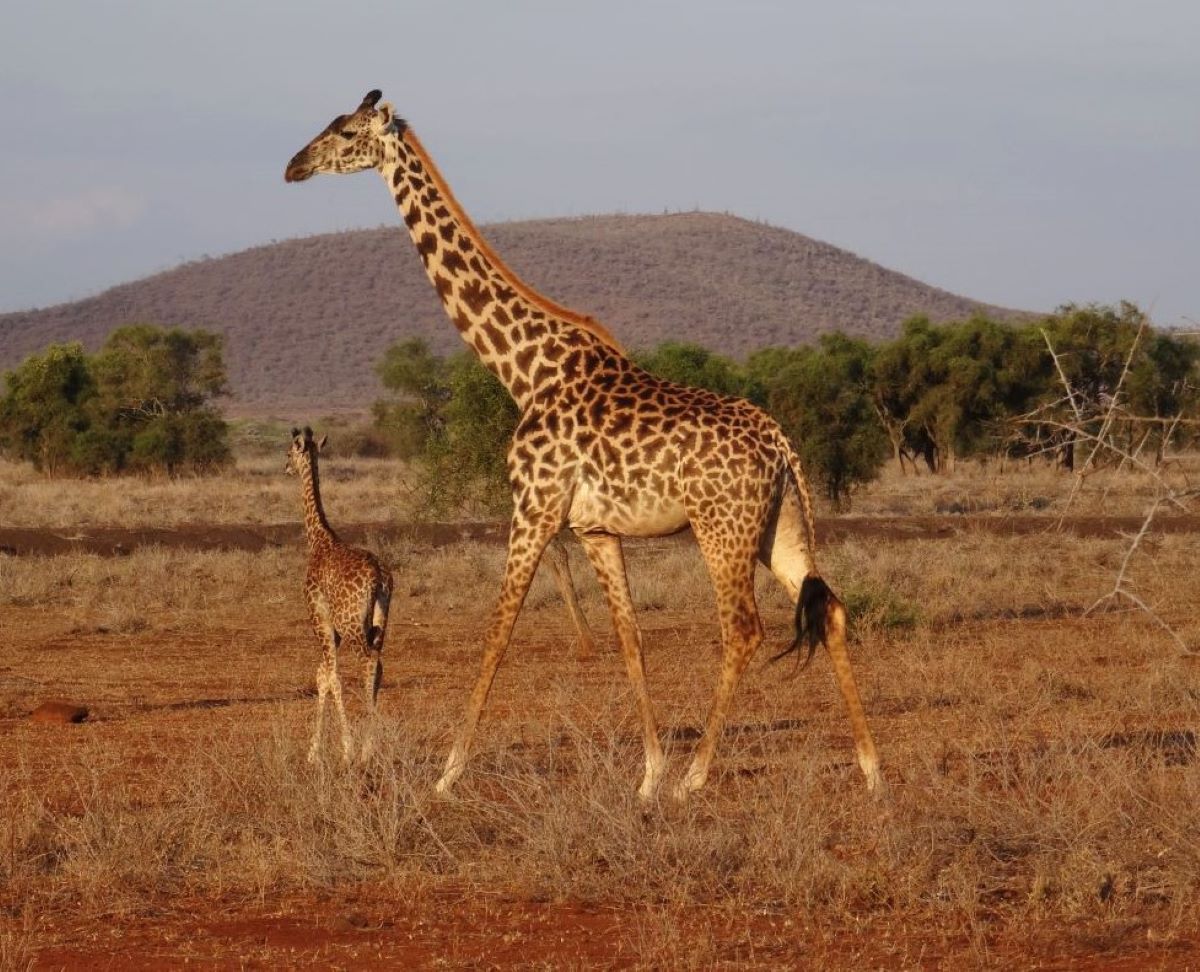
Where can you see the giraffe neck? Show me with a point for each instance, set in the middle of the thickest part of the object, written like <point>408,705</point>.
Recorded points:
<point>316,528</point>
<point>518,334</point>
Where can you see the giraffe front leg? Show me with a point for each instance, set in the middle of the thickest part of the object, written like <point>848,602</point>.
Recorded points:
<point>495,643</point>
<point>335,690</point>
<point>373,676</point>
<point>527,539</point>
<point>608,560</point>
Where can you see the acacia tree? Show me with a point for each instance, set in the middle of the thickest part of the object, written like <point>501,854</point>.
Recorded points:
<point>43,411</point>
<point>901,372</point>
<point>154,391</point>
<point>420,382</point>
<point>1097,350</point>
<point>822,398</point>
<point>466,458</point>
<point>693,364</point>
<point>143,402</point>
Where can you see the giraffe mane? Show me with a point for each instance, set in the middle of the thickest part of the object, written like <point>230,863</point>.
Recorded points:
<point>571,317</point>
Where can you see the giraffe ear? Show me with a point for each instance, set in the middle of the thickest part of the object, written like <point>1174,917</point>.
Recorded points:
<point>321,444</point>
<point>384,119</point>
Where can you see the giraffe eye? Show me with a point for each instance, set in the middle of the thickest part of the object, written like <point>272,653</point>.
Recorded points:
<point>348,136</point>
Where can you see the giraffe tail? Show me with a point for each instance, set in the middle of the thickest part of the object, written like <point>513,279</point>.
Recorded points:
<point>815,601</point>
<point>379,612</point>
<point>802,491</point>
<point>812,610</point>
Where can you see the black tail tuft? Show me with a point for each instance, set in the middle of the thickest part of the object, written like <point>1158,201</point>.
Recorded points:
<point>374,636</point>
<point>811,611</point>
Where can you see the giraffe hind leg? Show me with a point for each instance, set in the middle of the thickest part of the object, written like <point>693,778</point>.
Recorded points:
<point>732,574</point>
<point>377,622</point>
<point>820,618</point>
<point>372,679</point>
<point>604,552</point>
<point>835,643</point>
<point>322,689</point>
<point>374,624</point>
<point>335,691</point>
<point>560,563</point>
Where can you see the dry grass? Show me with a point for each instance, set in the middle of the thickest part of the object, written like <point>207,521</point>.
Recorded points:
<point>256,490</point>
<point>376,490</point>
<point>1004,488</point>
<point>1043,768</point>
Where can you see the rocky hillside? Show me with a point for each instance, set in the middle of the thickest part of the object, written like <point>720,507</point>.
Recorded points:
<point>306,319</point>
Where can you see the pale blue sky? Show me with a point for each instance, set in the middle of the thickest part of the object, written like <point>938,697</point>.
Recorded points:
<point>1023,153</point>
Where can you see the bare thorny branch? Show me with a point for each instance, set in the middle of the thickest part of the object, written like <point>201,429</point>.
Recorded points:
<point>1103,440</point>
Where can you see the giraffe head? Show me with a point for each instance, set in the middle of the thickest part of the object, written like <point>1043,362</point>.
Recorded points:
<point>349,143</point>
<point>302,453</point>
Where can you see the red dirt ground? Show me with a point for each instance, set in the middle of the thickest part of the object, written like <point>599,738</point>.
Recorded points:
<point>390,927</point>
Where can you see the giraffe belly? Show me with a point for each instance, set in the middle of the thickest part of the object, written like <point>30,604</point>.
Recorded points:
<point>635,515</point>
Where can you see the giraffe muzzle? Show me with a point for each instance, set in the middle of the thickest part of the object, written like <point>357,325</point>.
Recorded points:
<point>297,170</point>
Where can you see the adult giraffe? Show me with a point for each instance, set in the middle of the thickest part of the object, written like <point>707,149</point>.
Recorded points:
<point>607,449</point>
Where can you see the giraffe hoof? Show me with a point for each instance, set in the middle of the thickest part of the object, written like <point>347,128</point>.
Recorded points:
<point>688,785</point>
<point>877,785</point>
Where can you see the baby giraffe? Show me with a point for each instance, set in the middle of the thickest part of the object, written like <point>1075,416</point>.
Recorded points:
<point>348,593</point>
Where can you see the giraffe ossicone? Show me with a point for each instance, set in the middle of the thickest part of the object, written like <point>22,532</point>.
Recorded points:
<point>608,450</point>
<point>348,593</point>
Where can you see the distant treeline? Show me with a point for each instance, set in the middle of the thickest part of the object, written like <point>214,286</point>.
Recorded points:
<point>935,393</point>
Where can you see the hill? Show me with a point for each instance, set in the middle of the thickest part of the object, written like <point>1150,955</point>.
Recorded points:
<point>306,319</point>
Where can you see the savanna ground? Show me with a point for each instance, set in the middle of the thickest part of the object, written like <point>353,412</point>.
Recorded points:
<point>1042,765</point>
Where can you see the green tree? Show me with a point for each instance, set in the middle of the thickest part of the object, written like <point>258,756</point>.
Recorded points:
<point>152,370</point>
<point>43,411</point>
<point>1094,345</point>
<point>466,457</point>
<point>692,364</point>
<point>822,398</point>
<point>420,383</point>
<point>1165,383</point>
<point>942,391</point>
<point>143,402</point>
<point>980,374</point>
<point>901,371</point>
